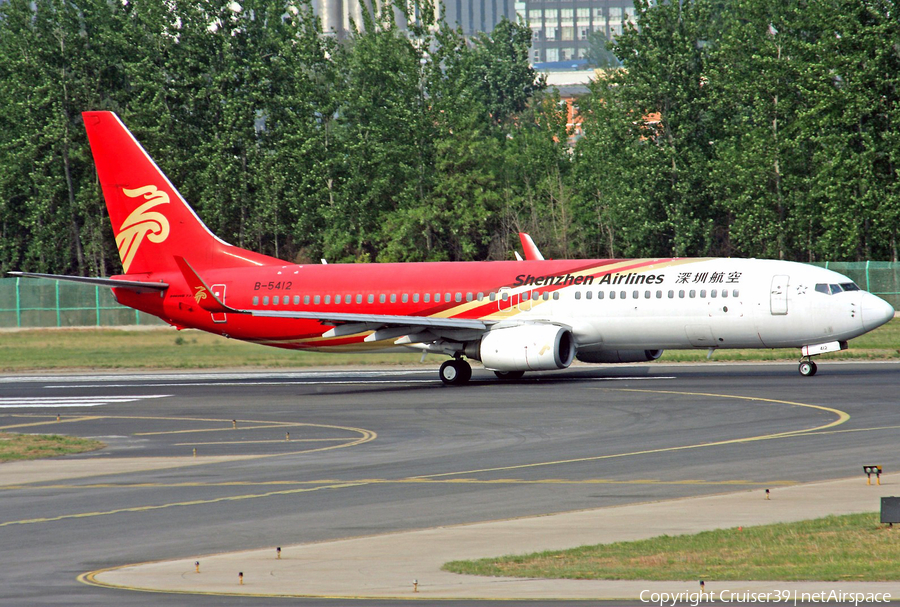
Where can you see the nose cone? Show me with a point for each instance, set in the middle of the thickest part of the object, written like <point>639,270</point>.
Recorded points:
<point>875,311</point>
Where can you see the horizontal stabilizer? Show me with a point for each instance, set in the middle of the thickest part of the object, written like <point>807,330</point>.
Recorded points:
<point>117,283</point>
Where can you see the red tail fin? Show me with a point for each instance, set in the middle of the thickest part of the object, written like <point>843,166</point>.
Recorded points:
<point>150,219</point>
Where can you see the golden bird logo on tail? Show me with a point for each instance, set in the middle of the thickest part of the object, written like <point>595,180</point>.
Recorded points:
<point>142,223</point>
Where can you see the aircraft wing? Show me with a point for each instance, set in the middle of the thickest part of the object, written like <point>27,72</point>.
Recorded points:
<point>532,253</point>
<point>118,283</point>
<point>384,325</point>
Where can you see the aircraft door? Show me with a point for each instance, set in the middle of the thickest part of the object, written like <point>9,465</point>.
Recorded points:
<point>219,292</point>
<point>506,299</point>
<point>779,299</point>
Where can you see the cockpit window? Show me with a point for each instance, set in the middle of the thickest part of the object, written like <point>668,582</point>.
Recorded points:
<point>832,289</point>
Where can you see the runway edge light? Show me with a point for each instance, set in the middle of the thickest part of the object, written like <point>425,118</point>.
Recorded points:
<point>870,470</point>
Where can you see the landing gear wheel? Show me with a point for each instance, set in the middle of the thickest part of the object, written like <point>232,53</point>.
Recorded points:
<point>509,375</point>
<point>455,372</point>
<point>808,368</point>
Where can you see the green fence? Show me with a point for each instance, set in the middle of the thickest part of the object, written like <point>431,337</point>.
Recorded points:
<point>35,302</point>
<point>30,302</point>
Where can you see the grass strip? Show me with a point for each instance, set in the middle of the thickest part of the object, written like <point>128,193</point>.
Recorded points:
<point>835,548</point>
<point>17,447</point>
<point>166,348</point>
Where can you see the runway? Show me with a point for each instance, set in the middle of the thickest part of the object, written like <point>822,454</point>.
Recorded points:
<point>298,457</point>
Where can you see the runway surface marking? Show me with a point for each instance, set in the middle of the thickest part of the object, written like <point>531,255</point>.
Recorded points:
<point>359,382</point>
<point>71,401</point>
<point>842,417</point>
<point>408,481</point>
<point>68,420</point>
<point>230,498</point>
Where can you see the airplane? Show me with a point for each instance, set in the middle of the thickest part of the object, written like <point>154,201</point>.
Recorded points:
<point>514,317</point>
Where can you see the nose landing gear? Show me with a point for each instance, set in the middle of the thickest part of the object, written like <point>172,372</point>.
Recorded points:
<point>808,368</point>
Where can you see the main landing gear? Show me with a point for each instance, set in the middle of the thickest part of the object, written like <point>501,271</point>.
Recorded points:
<point>455,372</point>
<point>808,368</point>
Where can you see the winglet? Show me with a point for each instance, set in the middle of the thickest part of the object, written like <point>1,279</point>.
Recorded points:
<point>203,295</point>
<point>531,251</point>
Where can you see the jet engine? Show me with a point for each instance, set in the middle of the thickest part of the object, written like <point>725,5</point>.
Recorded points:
<point>618,356</point>
<point>527,348</point>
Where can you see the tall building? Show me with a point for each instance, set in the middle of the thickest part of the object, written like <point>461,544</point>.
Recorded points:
<point>560,28</point>
<point>471,15</point>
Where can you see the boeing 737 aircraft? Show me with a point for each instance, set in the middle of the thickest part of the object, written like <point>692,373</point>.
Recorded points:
<point>513,316</point>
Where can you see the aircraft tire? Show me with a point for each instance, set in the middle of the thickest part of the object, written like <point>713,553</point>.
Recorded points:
<point>808,368</point>
<point>455,372</point>
<point>509,375</point>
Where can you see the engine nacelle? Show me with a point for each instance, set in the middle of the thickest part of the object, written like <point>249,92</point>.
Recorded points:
<point>618,356</point>
<point>527,348</point>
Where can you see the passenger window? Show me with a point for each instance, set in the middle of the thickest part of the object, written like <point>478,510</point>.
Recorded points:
<point>256,300</point>
<point>600,294</point>
<point>427,298</point>
<point>393,298</point>
<point>316,300</point>
<point>671,294</point>
<point>469,297</point>
<point>266,300</point>
<point>447,297</point>
<point>306,300</point>
<point>555,294</point>
<point>493,297</point>
<point>588,294</point>
<point>505,296</point>
<point>735,293</point>
<point>646,294</point>
<point>702,293</point>
<point>381,298</point>
<point>622,295</point>
<point>480,296</point>
<point>359,298</point>
<point>405,298</point>
<point>415,298</point>
<point>437,298</point>
<point>458,296</point>
<point>724,292</point>
<point>612,294</point>
<point>692,294</point>
<point>578,295</point>
<point>659,295</point>
<point>681,294</point>
<point>296,300</point>
<point>635,294</point>
<point>371,298</point>
<point>337,299</point>
<point>712,293</point>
